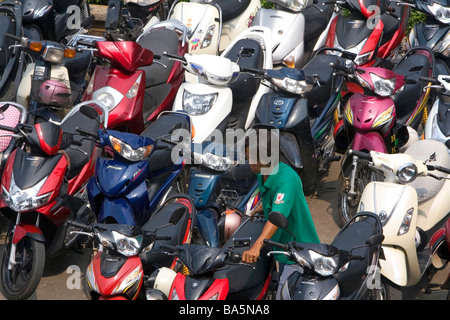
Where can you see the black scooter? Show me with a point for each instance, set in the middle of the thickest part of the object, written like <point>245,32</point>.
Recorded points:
<point>347,269</point>
<point>303,108</point>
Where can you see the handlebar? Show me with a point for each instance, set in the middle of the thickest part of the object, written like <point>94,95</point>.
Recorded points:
<point>429,79</point>
<point>360,154</point>
<point>87,133</point>
<point>438,168</point>
<point>81,225</point>
<point>276,244</point>
<point>341,68</point>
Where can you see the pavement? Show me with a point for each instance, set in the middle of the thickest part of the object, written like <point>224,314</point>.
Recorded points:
<point>64,273</point>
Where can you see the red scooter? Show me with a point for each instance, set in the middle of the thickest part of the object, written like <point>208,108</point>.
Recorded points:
<point>373,29</point>
<point>42,186</point>
<point>440,252</point>
<point>378,116</point>
<point>129,254</point>
<point>132,85</point>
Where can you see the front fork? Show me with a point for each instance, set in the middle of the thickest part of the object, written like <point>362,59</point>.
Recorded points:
<point>351,187</point>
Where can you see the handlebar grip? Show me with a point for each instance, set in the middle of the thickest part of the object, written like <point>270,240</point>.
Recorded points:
<point>251,70</point>
<point>276,244</point>
<point>341,68</point>
<point>428,79</point>
<point>86,133</point>
<point>438,168</point>
<point>157,56</point>
<point>174,56</point>
<point>77,143</point>
<point>10,129</point>
<point>86,43</point>
<point>80,225</point>
<point>13,37</point>
<point>361,154</point>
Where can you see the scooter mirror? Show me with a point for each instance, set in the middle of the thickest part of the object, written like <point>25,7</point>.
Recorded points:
<point>447,143</point>
<point>278,219</point>
<point>89,112</point>
<point>87,23</point>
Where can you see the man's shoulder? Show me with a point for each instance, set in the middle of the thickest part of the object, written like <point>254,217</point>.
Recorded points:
<point>287,176</point>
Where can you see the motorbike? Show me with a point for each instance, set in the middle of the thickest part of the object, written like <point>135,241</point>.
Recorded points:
<point>384,113</point>
<point>432,32</point>
<point>440,252</point>
<point>213,25</point>
<point>302,108</point>
<point>136,81</point>
<point>437,126</point>
<point>12,61</point>
<point>295,29</point>
<point>412,203</point>
<point>216,273</point>
<point>43,185</point>
<point>222,98</point>
<point>343,270</point>
<point>130,184</point>
<point>372,30</point>
<point>128,254</point>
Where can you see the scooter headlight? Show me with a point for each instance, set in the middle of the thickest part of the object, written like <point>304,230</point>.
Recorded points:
<point>26,199</point>
<point>208,37</point>
<point>440,12</point>
<point>406,173</point>
<point>127,246</point>
<point>363,58</point>
<point>324,265</point>
<point>294,5</point>
<point>198,104</point>
<point>381,86</point>
<point>291,85</point>
<point>213,161</point>
<point>126,151</point>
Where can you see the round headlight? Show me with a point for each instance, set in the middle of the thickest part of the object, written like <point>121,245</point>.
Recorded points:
<point>406,173</point>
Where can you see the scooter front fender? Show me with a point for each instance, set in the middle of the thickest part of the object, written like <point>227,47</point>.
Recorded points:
<point>27,230</point>
<point>370,141</point>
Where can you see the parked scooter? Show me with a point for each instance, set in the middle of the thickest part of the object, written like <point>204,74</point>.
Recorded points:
<point>128,186</point>
<point>302,108</point>
<point>383,114</point>
<point>12,61</point>
<point>214,24</point>
<point>216,273</point>
<point>42,186</point>
<point>223,97</point>
<point>129,254</point>
<point>343,270</point>
<point>295,28</point>
<point>412,203</point>
<point>134,86</point>
<point>372,29</point>
<point>440,252</point>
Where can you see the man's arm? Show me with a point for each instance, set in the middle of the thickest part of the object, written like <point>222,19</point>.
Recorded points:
<point>252,254</point>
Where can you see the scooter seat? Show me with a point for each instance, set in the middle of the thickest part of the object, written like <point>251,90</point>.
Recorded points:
<point>356,234</point>
<point>78,65</point>
<point>159,41</point>
<point>428,187</point>
<point>165,125</point>
<point>232,8</point>
<point>319,66</point>
<point>246,53</point>
<point>413,67</point>
<point>79,155</point>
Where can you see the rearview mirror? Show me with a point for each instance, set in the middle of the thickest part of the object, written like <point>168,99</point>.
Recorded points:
<point>278,219</point>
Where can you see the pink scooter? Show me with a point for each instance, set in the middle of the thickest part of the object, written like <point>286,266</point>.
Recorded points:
<point>383,107</point>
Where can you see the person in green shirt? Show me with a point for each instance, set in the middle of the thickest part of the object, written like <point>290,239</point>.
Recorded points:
<point>282,191</point>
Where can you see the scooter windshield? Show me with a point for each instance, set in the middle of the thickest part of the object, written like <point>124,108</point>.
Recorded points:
<point>368,7</point>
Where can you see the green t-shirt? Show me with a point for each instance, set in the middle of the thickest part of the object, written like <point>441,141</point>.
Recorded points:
<point>283,192</point>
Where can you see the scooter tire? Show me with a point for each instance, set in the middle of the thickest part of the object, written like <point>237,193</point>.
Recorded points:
<point>32,272</point>
<point>392,291</point>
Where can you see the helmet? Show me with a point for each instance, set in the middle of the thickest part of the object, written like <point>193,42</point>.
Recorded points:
<point>160,282</point>
<point>229,221</point>
<point>54,93</point>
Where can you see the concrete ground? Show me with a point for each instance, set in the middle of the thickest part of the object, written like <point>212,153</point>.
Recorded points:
<point>60,282</point>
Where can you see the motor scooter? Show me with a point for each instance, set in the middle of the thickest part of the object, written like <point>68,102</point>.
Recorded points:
<point>43,184</point>
<point>127,254</point>
<point>216,273</point>
<point>412,203</point>
<point>213,25</point>
<point>343,270</point>
<point>132,83</point>
<point>384,113</point>
<point>371,30</point>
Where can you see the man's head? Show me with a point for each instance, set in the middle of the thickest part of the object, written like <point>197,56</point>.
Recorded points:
<point>262,149</point>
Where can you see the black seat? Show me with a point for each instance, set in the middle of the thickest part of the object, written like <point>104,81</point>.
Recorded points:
<point>166,124</point>
<point>79,155</point>
<point>78,65</point>
<point>413,67</point>
<point>232,8</point>
<point>159,41</point>
<point>246,53</point>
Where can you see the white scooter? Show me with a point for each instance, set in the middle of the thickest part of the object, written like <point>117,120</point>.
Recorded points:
<point>295,26</point>
<point>412,203</point>
<point>222,97</point>
<point>214,24</point>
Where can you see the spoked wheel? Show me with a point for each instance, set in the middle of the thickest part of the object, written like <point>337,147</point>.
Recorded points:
<point>21,282</point>
<point>348,204</point>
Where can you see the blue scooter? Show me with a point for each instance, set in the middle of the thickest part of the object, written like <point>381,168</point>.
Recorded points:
<point>136,173</point>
